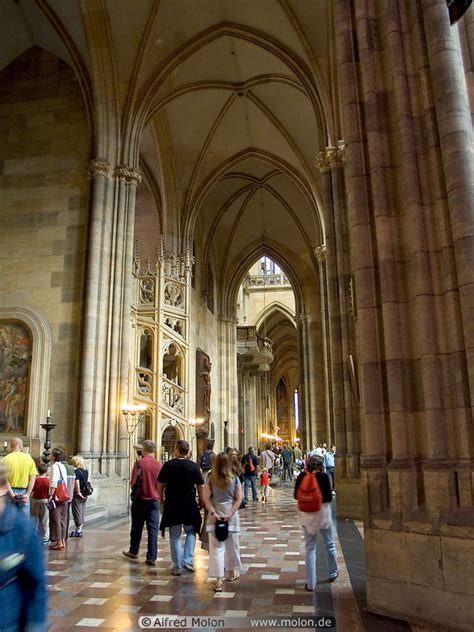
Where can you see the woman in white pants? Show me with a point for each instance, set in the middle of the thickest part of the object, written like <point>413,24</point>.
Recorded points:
<point>222,499</point>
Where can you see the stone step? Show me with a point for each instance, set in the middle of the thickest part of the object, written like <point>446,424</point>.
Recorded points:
<point>95,513</point>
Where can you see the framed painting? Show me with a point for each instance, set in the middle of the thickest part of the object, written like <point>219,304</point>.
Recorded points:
<point>15,365</point>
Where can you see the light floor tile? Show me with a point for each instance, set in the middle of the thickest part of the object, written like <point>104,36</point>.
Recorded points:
<point>90,623</point>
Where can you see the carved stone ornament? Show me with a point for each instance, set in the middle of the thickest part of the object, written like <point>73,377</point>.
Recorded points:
<point>98,167</point>
<point>147,290</point>
<point>175,324</point>
<point>174,294</point>
<point>127,174</point>
<point>322,162</point>
<point>302,317</point>
<point>331,157</point>
<point>335,155</point>
<point>321,252</point>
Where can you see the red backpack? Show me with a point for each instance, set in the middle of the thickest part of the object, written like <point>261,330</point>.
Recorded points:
<point>309,495</point>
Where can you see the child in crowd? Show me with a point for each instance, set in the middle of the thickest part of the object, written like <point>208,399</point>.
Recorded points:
<point>264,484</point>
<point>39,500</point>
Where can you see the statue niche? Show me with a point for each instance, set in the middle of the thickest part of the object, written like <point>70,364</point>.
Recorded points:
<point>203,392</point>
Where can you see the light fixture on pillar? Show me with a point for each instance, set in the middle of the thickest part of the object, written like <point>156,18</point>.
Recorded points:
<point>132,415</point>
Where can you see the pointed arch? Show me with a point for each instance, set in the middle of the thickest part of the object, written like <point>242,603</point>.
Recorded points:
<point>194,205</point>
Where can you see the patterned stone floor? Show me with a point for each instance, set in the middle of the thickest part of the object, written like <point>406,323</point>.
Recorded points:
<point>93,585</point>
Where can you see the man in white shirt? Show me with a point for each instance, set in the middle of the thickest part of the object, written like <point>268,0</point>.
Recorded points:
<point>267,459</point>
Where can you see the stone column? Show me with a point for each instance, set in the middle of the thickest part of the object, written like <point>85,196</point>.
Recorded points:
<point>92,377</point>
<point>120,295</point>
<point>228,388</point>
<point>321,252</point>
<point>342,348</point>
<point>409,175</point>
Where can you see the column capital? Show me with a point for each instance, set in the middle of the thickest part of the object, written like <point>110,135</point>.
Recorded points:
<point>227,320</point>
<point>321,252</point>
<point>99,167</point>
<point>127,174</point>
<point>331,157</point>
<point>301,317</point>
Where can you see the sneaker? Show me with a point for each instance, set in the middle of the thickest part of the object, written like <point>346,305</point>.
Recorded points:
<point>189,567</point>
<point>333,578</point>
<point>78,534</point>
<point>72,534</point>
<point>218,586</point>
<point>176,571</point>
<point>130,555</point>
<point>150,562</point>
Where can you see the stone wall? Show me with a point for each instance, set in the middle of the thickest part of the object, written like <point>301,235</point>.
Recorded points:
<point>44,146</point>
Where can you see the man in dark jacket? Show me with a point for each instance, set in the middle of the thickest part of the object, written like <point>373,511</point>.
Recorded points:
<point>177,484</point>
<point>23,594</point>
<point>250,464</point>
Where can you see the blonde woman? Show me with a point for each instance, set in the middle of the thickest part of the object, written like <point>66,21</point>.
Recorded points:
<point>222,498</point>
<point>79,499</point>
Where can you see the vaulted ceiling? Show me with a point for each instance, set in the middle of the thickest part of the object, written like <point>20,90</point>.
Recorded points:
<point>231,100</point>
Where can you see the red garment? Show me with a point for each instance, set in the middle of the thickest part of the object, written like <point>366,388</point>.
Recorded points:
<point>41,488</point>
<point>150,469</point>
<point>265,479</point>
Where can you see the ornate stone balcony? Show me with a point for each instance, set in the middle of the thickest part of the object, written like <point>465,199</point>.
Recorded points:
<point>268,281</point>
<point>254,351</point>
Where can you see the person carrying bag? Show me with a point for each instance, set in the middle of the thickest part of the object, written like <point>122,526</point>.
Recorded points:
<point>58,499</point>
<point>222,498</point>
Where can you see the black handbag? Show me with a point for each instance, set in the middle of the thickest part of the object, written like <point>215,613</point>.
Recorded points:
<point>136,488</point>
<point>222,530</point>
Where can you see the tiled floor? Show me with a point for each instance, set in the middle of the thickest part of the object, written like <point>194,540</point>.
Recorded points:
<point>93,586</point>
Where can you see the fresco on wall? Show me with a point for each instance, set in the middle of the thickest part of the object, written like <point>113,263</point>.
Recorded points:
<point>15,358</point>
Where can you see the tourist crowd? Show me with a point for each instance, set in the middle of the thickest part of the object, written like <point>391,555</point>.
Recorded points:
<point>200,499</point>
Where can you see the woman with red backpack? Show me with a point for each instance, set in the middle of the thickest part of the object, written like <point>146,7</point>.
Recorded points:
<point>314,495</point>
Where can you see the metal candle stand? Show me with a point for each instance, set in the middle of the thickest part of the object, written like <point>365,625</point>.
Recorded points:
<point>47,426</point>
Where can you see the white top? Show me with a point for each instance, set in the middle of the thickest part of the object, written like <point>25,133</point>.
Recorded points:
<point>315,520</point>
<point>59,471</point>
<point>268,459</point>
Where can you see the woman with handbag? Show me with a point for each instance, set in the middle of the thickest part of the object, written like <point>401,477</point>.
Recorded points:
<point>58,499</point>
<point>222,498</point>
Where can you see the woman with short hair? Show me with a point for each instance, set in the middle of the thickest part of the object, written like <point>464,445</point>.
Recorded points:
<point>222,498</point>
<point>58,510</point>
<point>78,499</point>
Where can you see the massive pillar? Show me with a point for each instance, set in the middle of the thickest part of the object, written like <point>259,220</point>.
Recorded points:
<point>409,177</point>
<point>341,347</point>
<point>106,343</point>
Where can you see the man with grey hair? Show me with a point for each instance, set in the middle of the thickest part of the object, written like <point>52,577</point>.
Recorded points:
<point>145,503</point>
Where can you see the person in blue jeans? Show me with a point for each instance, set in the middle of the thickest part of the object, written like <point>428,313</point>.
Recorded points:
<point>249,465</point>
<point>145,503</point>
<point>23,592</point>
<point>178,482</point>
<point>318,521</point>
